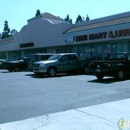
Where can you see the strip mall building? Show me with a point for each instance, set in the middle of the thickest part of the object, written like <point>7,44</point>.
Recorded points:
<point>50,34</point>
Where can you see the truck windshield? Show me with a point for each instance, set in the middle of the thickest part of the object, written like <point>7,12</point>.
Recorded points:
<point>117,57</point>
<point>33,57</point>
<point>128,55</point>
<point>54,57</point>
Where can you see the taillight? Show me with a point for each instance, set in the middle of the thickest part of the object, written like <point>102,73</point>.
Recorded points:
<point>109,65</point>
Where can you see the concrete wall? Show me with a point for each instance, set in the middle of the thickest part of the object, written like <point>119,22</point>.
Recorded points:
<point>7,44</point>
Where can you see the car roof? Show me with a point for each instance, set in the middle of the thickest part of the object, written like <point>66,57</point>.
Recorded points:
<point>42,54</point>
<point>121,53</point>
<point>1,60</point>
<point>64,53</point>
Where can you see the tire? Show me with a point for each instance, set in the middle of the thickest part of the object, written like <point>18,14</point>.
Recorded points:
<point>51,72</point>
<point>16,69</point>
<point>100,76</point>
<point>86,70</point>
<point>10,70</point>
<point>120,74</point>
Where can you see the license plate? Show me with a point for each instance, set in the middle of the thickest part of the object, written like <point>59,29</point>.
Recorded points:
<point>98,70</point>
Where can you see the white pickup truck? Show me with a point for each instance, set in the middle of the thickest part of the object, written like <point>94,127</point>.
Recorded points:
<point>58,63</point>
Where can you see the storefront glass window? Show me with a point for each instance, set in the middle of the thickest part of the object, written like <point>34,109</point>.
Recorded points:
<point>100,52</point>
<point>64,50</point>
<point>93,53</point>
<point>128,46</point>
<point>116,47</point>
<point>87,52</point>
<point>16,55</point>
<point>81,51</point>
<point>106,50</point>
<point>3,55</point>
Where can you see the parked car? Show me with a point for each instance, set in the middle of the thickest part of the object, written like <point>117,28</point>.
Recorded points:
<point>37,57</point>
<point>117,65</point>
<point>18,65</point>
<point>66,62</point>
<point>1,63</point>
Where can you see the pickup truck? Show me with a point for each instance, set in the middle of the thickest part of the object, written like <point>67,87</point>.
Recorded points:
<point>21,64</point>
<point>117,65</point>
<point>1,63</point>
<point>58,63</point>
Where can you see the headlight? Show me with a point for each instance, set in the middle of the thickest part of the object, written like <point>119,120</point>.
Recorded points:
<point>42,65</point>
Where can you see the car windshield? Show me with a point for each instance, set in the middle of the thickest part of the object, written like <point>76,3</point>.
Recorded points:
<point>117,57</point>
<point>128,55</point>
<point>33,58</point>
<point>54,57</point>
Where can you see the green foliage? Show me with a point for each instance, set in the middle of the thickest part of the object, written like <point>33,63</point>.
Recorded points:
<point>87,18</point>
<point>6,31</point>
<point>68,20</point>
<point>79,19</point>
<point>13,32</point>
<point>38,13</point>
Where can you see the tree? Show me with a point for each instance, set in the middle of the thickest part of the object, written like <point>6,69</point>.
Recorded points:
<point>38,13</point>
<point>71,21</point>
<point>87,18</point>
<point>6,31</point>
<point>13,32</point>
<point>79,19</point>
<point>68,20</point>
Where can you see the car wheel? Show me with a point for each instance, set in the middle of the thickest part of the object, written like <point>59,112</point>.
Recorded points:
<point>120,74</point>
<point>86,69</point>
<point>16,69</point>
<point>100,76</point>
<point>51,72</point>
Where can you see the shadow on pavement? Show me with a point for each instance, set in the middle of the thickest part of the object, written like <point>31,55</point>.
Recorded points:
<point>108,80</point>
<point>58,75</point>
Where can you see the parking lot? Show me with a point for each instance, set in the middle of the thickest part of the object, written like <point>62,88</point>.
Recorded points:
<point>25,95</point>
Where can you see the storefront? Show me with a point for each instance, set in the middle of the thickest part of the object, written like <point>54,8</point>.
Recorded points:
<point>94,39</point>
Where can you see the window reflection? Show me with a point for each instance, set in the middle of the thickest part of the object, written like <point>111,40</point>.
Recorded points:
<point>107,51</point>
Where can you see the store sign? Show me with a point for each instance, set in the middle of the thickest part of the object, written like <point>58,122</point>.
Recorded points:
<point>119,33</point>
<point>81,38</point>
<point>97,36</point>
<point>31,44</point>
<point>104,35</point>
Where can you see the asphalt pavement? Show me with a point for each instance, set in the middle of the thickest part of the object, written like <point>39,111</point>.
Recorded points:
<point>107,116</point>
<point>68,102</point>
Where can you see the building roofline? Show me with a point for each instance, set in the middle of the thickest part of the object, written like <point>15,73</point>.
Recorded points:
<point>116,17</point>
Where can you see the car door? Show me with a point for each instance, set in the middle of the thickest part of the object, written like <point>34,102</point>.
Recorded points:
<point>73,62</point>
<point>63,65</point>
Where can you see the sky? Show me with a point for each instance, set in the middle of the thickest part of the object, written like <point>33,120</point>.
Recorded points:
<point>17,12</point>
